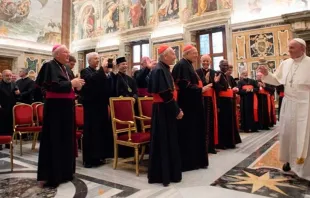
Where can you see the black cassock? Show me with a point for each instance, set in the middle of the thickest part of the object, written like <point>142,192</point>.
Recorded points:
<point>209,110</point>
<point>280,91</point>
<point>247,105</point>
<point>164,158</point>
<point>26,87</point>
<point>272,114</point>
<point>263,107</point>
<point>228,133</point>
<point>7,102</point>
<point>57,146</point>
<point>141,78</point>
<point>97,131</point>
<point>191,128</point>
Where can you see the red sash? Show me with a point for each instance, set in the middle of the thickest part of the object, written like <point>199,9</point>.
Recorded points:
<point>70,95</point>
<point>227,94</point>
<point>211,93</point>
<point>255,102</point>
<point>158,99</point>
<point>281,94</point>
<point>263,91</point>
<point>142,92</point>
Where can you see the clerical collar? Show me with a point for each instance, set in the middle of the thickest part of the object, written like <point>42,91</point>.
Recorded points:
<point>188,60</point>
<point>93,69</point>
<point>58,62</point>
<point>165,64</point>
<point>299,59</point>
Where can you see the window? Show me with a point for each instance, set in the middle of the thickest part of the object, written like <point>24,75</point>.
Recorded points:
<point>212,42</point>
<point>139,50</point>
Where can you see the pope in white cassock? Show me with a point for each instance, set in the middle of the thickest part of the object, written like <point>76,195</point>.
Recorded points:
<point>294,128</point>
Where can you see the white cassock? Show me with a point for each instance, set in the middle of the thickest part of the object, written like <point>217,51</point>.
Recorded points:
<point>295,113</point>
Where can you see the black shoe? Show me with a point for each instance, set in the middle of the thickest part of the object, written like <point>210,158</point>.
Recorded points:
<point>286,167</point>
<point>1,148</point>
<point>220,147</point>
<point>213,151</point>
<point>86,165</point>
<point>166,185</point>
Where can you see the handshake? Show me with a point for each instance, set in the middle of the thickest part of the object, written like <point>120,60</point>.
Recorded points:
<point>77,83</point>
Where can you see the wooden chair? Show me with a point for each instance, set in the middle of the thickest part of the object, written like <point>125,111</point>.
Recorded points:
<point>8,140</point>
<point>23,123</point>
<point>79,121</point>
<point>145,111</point>
<point>39,121</point>
<point>34,108</point>
<point>125,129</point>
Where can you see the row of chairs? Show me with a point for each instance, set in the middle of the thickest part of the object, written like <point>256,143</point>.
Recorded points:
<point>28,119</point>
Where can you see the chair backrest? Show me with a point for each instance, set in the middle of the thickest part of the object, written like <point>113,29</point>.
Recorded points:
<point>34,108</point>
<point>122,108</point>
<point>39,112</point>
<point>79,115</point>
<point>145,108</point>
<point>22,115</point>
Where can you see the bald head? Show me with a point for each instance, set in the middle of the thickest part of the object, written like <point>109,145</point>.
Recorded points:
<point>7,75</point>
<point>296,49</point>
<point>206,61</point>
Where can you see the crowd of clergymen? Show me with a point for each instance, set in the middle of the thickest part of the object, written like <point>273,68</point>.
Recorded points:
<point>214,106</point>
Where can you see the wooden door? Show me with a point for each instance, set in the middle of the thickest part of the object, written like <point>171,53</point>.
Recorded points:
<point>5,63</point>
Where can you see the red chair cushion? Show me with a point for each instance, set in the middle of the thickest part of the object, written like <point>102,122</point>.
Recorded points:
<point>136,137</point>
<point>28,129</point>
<point>78,134</point>
<point>79,116</point>
<point>40,109</point>
<point>23,114</point>
<point>123,110</point>
<point>5,139</point>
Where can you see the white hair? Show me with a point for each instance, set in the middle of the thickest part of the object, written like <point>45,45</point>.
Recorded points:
<point>90,55</point>
<point>57,50</point>
<point>161,56</point>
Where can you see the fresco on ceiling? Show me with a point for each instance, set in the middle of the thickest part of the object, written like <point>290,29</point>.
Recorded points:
<point>31,20</point>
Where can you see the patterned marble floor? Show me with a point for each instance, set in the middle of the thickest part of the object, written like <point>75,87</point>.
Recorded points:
<point>249,171</point>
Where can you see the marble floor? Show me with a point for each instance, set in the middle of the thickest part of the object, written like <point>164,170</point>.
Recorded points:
<point>249,171</point>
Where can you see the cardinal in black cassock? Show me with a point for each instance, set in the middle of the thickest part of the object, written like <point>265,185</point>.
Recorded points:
<point>56,162</point>
<point>191,129</point>
<point>280,91</point>
<point>264,103</point>
<point>248,90</point>
<point>210,106</point>
<point>164,158</point>
<point>225,88</point>
<point>97,131</point>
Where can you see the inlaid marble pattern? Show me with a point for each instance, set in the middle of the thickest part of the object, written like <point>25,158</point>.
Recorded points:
<point>261,174</point>
<point>24,187</point>
<point>249,171</point>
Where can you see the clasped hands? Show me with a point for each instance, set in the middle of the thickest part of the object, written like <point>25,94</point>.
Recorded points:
<point>77,83</point>
<point>208,86</point>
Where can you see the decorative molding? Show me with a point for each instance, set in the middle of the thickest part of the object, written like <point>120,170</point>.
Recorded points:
<point>260,23</point>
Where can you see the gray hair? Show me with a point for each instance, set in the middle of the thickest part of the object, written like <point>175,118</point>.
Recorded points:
<point>57,50</point>
<point>90,55</point>
<point>161,56</point>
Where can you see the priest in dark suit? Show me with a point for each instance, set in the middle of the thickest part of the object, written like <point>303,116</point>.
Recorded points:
<point>26,87</point>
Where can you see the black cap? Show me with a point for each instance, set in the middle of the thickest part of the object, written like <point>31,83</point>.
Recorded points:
<point>120,60</point>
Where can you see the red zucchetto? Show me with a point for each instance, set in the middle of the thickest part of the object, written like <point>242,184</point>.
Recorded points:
<point>55,47</point>
<point>162,48</point>
<point>187,48</point>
